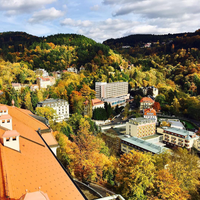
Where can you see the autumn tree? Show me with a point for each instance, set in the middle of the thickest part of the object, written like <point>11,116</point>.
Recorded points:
<point>165,187</point>
<point>134,174</point>
<point>47,112</point>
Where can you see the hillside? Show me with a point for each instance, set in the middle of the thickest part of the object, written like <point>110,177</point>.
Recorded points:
<point>56,52</point>
<point>181,40</point>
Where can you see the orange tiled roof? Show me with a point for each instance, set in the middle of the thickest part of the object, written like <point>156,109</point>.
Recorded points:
<point>150,110</point>
<point>147,99</point>
<point>96,102</point>
<point>49,139</point>
<point>34,166</point>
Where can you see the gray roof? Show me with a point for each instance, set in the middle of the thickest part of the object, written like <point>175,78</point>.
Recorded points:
<point>51,101</point>
<point>180,131</point>
<point>144,144</point>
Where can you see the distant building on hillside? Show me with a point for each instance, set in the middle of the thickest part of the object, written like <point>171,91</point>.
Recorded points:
<point>146,102</point>
<point>59,105</point>
<point>44,82</point>
<point>17,86</point>
<point>41,72</point>
<point>72,69</point>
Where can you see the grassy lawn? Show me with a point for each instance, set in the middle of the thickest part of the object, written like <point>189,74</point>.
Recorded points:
<point>188,125</point>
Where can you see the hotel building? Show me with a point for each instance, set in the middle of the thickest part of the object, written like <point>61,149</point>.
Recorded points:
<point>140,127</point>
<point>181,138</point>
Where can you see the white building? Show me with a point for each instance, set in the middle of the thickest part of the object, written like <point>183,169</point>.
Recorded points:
<point>59,105</point>
<point>150,113</point>
<point>150,88</point>
<point>44,82</point>
<point>41,72</point>
<point>109,90</point>
<point>72,69</point>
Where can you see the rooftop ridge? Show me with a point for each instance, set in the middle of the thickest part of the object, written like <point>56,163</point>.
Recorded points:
<point>32,118</point>
<point>32,141</point>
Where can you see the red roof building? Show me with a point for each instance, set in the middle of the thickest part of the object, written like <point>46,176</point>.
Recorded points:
<point>32,167</point>
<point>146,102</point>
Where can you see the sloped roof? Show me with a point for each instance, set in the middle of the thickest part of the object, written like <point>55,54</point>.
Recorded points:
<point>39,195</point>
<point>147,99</point>
<point>5,117</point>
<point>150,111</point>
<point>97,102</point>
<point>34,166</point>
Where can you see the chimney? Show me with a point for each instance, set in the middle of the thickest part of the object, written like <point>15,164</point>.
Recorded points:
<point>11,140</point>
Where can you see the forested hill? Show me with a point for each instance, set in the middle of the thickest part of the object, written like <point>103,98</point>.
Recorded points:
<point>56,52</point>
<point>184,40</point>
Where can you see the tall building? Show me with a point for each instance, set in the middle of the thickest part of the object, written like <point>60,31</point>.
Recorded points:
<point>140,127</point>
<point>61,107</point>
<point>28,167</point>
<point>109,90</point>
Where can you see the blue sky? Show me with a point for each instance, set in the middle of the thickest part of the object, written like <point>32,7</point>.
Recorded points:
<point>99,19</point>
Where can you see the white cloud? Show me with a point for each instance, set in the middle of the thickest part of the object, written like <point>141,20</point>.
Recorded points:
<point>46,15</point>
<point>13,7</point>
<point>94,8</point>
<point>76,23</point>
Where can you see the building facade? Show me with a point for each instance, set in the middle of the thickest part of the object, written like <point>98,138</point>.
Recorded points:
<point>59,105</point>
<point>146,102</point>
<point>181,138</point>
<point>150,113</point>
<point>140,127</point>
<point>109,90</point>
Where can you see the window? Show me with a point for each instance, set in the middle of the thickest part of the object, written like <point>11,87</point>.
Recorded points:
<point>7,139</point>
<point>14,138</point>
<point>3,121</point>
<point>4,111</point>
<point>8,121</point>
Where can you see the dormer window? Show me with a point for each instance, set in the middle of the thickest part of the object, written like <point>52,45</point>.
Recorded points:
<point>7,139</point>
<point>8,121</point>
<point>3,121</point>
<point>14,138</point>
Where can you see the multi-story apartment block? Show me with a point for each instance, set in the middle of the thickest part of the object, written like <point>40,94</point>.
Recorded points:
<point>109,90</point>
<point>59,105</point>
<point>181,138</point>
<point>128,144</point>
<point>140,127</point>
<point>146,102</point>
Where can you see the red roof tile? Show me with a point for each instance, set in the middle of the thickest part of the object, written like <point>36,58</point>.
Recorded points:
<point>5,117</point>
<point>34,166</point>
<point>2,107</point>
<point>149,110</point>
<point>147,99</point>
